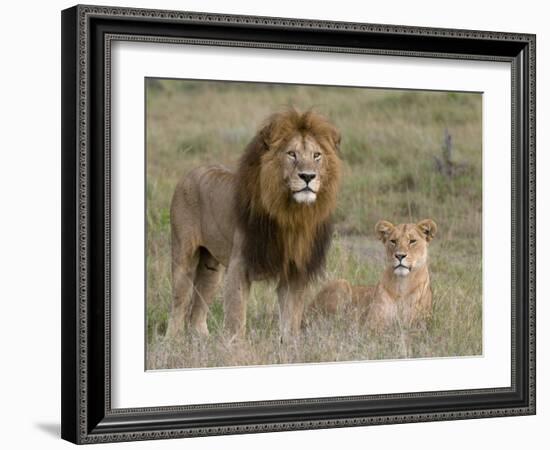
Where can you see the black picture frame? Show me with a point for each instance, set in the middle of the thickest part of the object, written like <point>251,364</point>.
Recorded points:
<point>87,32</point>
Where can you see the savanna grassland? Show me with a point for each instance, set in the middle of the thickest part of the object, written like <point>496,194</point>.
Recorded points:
<point>394,169</point>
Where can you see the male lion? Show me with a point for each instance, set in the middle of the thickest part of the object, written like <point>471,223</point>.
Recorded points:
<point>271,220</point>
<point>403,294</point>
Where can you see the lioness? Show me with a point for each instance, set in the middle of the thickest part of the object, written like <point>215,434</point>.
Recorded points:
<point>271,220</point>
<point>403,294</point>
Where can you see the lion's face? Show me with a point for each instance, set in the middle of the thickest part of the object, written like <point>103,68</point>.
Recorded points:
<point>299,170</point>
<point>303,168</point>
<point>406,244</point>
<point>299,165</point>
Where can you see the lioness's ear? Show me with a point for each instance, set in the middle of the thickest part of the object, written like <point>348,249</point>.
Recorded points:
<point>383,229</point>
<point>428,228</point>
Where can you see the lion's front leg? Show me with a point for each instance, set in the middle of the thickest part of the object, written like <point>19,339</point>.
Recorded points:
<point>291,296</point>
<point>235,297</point>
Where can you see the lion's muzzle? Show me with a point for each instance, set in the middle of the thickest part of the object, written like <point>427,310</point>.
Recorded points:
<point>307,192</point>
<point>400,266</point>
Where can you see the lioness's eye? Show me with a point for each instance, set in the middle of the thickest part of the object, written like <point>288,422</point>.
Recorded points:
<point>291,154</point>
<point>316,155</point>
<point>412,241</point>
<point>393,241</point>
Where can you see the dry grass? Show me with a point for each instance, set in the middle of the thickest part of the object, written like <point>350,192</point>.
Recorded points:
<point>389,142</point>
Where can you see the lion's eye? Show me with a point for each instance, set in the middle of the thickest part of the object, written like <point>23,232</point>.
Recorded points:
<point>291,155</point>
<point>393,241</point>
<point>412,241</point>
<point>317,155</point>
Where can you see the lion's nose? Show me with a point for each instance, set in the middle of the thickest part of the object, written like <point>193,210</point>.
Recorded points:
<point>400,256</point>
<point>307,177</point>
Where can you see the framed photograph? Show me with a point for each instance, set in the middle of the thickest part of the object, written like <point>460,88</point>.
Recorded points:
<point>281,224</point>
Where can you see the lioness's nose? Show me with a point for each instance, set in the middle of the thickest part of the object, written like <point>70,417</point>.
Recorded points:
<point>400,256</point>
<point>307,177</point>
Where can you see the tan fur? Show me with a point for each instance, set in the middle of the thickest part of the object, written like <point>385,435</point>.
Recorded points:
<point>259,223</point>
<point>334,296</point>
<point>401,296</point>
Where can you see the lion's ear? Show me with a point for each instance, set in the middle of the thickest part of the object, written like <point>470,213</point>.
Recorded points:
<point>264,136</point>
<point>270,134</point>
<point>383,229</point>
<point>428,228</point>
<point>337,139</point>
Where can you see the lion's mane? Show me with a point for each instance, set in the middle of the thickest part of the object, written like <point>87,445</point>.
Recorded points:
<point>283,238</point>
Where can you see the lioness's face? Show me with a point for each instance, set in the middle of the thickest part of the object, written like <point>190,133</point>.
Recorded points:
<point>406,244</point>
<point>303,168</point>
